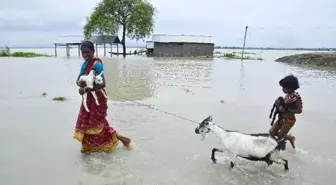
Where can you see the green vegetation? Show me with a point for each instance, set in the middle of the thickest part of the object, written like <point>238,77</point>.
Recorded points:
<point>322,59</point>
<point>228,55</point>
<point>28,54</point>
<point>232,55</point>
<point>235,56</point>
<point>7,53</point>
<point>248,53</point>
<point>60,98</point>
<point>135,17</point>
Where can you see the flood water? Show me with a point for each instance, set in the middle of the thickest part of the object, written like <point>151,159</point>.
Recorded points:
<point>36,133</point>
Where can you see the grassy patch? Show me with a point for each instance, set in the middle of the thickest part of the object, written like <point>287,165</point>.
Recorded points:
<point>60,98</point>
<point>248,53</point>
<point>28,54</point>
<point>6,52</point>
<point>231,56</point>
<point>237,55</point>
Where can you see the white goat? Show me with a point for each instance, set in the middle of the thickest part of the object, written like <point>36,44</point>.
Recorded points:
<point>99,80</point>
<point>254,147</point>
<point>90,79</point>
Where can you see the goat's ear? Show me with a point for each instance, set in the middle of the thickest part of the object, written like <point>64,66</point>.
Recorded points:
<point>209,118</point>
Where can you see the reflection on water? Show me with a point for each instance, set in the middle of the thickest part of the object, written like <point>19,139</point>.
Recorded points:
<point>242,76</point>
<point>183,73</point>
<point>130,79</point>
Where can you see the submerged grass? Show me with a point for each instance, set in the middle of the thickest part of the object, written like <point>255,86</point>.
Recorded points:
<point>7,53</point>
<point>248,53</point>
<point>28,54</point>
<point>233,55</point>
<point>60,98</point>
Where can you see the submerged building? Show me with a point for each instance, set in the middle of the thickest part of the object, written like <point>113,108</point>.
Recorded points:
<point>180,45</point>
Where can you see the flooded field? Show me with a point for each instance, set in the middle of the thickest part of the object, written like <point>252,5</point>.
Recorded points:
<point>36,133</point>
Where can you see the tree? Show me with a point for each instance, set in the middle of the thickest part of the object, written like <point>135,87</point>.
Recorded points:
<point>134,17</point>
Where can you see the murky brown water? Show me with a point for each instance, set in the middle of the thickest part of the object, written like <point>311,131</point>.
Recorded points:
<point>36,132</point>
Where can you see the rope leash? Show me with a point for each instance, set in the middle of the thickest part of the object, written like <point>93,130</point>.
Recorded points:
<point>153,108</point>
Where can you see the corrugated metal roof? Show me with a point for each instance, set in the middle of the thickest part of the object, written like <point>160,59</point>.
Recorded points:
<point>105,39</point>
<point>182,38</point>
<point>69,39</point>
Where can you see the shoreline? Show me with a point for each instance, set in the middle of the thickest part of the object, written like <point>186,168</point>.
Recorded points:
<point>326,59</point>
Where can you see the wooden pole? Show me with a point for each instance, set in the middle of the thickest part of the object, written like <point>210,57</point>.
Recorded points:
<point>111,49</point>
<point>79,50</point>
<point>96,50</point>
<point>55,50</point>
<point>244,43</point>
<point>67,50</point>
<point>117,49</point>
<point>104,50</point>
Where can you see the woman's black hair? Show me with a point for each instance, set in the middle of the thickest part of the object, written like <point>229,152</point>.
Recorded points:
<point>88,44</point>
<point>290,82</point>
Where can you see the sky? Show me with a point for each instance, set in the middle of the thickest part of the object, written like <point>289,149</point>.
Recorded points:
<point>285,23</point>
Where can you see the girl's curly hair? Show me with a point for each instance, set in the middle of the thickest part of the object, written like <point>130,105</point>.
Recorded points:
<point>290,82</point>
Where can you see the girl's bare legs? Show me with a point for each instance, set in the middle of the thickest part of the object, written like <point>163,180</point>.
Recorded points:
<point>275,129</point>
<point>285,128</point>
<point>291,140</point>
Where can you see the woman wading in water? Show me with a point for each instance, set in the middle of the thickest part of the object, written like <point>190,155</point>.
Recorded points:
<point>92,129</point>
<point>293,105</point>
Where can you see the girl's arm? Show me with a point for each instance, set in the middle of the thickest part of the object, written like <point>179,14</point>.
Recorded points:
<point>296,99</point>
<point>298,109</point>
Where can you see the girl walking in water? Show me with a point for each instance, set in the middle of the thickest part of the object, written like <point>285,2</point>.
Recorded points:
<point>293,105</point>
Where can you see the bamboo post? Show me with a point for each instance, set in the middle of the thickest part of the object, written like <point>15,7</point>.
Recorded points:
<point>55,50</point>
<point>244,43</point>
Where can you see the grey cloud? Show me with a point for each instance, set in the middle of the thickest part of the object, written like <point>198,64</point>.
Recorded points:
<point>271,23</point>
<point>40,25</point>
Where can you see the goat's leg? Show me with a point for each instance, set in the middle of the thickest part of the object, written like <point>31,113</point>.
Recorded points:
<point>283,162</point>
<point>105,95</point>
<point>280,160</point>
<point>268,160</point>
<point>286,164</point>
<point>232,163</point>
<point>214,150</point>
<point>85,102</point>
<point>95,97</point>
